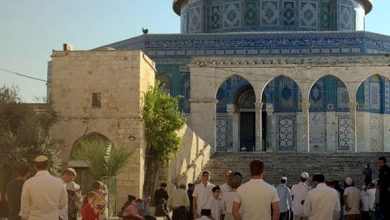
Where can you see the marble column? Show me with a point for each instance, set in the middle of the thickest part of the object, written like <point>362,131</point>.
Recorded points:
<point>258,126</point>
<point>230,128</point>
<point>303,128</point>
<point>352,110</point>
<point>271,138</point>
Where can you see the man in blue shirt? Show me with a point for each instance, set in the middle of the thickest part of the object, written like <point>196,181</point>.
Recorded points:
<point>284,198</point>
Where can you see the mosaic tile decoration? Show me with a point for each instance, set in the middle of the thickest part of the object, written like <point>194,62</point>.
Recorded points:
<point>308,14</point>
<point>195,15</point>
<point>287,133</point>
<point>346,135</point>
<point>329,94</point>
<point>215,17</point>
<point>231,15</point>
<point>345,16</point>
<point>228,91</point>
<point>269,13</point>
<point>250,14</point>
<point>221,132</point>
<point>325,20</point>
<point>289,13</point>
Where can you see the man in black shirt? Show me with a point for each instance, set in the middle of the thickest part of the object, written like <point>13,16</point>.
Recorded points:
<point>14,192</point>
<point>384,190</point>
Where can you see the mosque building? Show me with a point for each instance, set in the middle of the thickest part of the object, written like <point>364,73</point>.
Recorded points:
<point>256,76</point>
<point>277,75</point>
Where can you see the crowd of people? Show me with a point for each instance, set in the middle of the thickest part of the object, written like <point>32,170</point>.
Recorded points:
<point>318,199</point>
<point>45,196</point>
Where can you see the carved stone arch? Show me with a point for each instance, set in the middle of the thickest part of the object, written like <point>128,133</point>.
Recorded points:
<point>229,77</point>
<point>84,175</point>
<point>93,136</point>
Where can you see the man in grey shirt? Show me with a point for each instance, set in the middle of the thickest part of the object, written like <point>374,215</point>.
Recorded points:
<point>284,198</point>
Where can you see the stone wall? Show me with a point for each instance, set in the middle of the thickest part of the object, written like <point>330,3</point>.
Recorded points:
<point>189,161</point>
<point>120,78</point>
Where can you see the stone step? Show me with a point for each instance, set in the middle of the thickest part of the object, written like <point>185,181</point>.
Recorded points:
<point>335,166</point>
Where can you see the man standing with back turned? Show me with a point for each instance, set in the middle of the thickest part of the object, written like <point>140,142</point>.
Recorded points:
<point>322,202</point>
<point>258,199</point>
<point>42,195</point>
<point>384,187</point>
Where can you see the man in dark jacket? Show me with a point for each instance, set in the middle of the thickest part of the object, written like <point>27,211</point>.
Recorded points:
<point>160,198</point>
<point>384,190</point>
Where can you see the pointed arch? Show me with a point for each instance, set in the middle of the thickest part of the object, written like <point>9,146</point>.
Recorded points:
<point>329,93</point>
<point>229,90</point>
<point>284,93</point>
<point>282,99</point>
<point>91,137</point>
<point>372,94</point>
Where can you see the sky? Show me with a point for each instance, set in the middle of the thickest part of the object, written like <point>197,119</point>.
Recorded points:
<point>31,29</point>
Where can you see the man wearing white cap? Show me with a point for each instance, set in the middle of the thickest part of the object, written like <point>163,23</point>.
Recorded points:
<point>42,195</point>
<point>299,194</point>
<point>284,198</point>
<point>351,200</point>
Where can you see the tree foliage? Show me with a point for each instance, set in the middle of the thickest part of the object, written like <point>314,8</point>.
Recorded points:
<point>104,160</point>
<point>162,121</point>
<point>24,133</point>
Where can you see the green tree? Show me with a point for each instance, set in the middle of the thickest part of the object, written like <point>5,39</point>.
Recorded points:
<point>24,133</point>
<point>162,121</point>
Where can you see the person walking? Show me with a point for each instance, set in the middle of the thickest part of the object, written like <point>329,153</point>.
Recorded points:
<point>13,191</point>
<point>201,194</point>
<point>384,187</point>
<point>352,201</point>
<point>285,199</point>
<point>258,199</point>
<point>322,202</point>
<point>299,194</point>
<point>43,196</point>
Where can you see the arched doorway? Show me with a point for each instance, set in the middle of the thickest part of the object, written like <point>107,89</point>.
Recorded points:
<point>373,104</point>
<point>331,127</point>
<point>235,116</point>
<point>84,176</point>
<point>281,98</point>
<point>246,109</point>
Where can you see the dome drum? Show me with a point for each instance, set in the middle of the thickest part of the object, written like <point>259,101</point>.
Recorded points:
<point>204,16</point>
